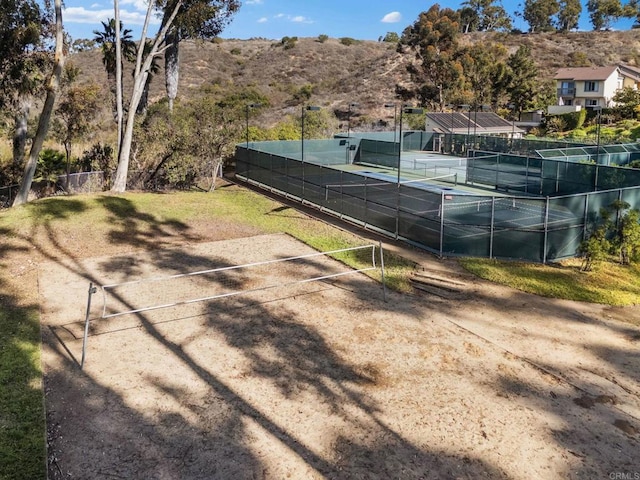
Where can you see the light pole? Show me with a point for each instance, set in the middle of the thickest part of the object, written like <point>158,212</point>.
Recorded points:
<point>466,140</point>
<point>249,106</point>
<point>395,118</point>
<point>349,118</point>
<point>451,107</point>
<point>598,109</point>
<point>404,110</point>
<point>483,108</point>
<point>512,107</point>
<point>308,108</point>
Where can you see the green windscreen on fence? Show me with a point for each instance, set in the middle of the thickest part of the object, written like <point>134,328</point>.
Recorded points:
<point>610,155</point>
<point>541,211</point>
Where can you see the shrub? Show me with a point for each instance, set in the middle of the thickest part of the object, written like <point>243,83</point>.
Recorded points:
<point>594,249</point>
<point>577,133</point>
<point>555,124</point>
<point>391,37</point>
<point>618,233</point>
<point>98,157</point>
<point>323,38</point>
<point>288,42</point>
<point>634,164</point>
<point>348,41</point>
<point>635,133</point>
<point>51,163</point>
<point>579,59</point>
<point>574,120</point>
<point>304,93</point>
<point>235,51</point>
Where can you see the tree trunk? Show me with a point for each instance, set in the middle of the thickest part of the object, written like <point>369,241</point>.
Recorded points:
<point>120,182</point>
<point>20,134</point>
<point>47,110</point>
<point>119,106</point>
<point>67,152</point>
<point>111,81</point>
<point>144,99</point>
<point>171,66</point>
<point>139,80</point>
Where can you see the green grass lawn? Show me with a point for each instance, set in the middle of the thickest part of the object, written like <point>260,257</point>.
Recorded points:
<point>88,226</point>
<point>610,283</point>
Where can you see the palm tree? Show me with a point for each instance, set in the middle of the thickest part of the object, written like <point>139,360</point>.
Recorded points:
<point>107,41</point>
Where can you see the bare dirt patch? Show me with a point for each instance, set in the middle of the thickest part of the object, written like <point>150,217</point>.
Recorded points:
<point>327,380</point>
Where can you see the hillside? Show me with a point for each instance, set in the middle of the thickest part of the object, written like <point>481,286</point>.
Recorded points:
<point>365,72</point>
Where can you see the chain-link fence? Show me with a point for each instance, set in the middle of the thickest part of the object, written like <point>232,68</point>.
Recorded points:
<point>7,194</point>
<point>83,182</point>
<point>551,210</point>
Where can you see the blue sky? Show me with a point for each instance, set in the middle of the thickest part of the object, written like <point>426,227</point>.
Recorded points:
<point>274,19</point>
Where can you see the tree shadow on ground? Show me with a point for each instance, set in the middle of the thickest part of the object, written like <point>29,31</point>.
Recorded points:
<point>145,442</point>
<point>139,229</point>
<point>22,446</point>
<point>600,383</point>
<point>134,440</point>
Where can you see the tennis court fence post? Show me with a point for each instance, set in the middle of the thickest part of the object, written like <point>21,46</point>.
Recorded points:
<point>92,290</point>
<point>442,200</point>
<point>492,231</point>
<point>585,219</point>
<point>384,283</point>
<point>546,231</point>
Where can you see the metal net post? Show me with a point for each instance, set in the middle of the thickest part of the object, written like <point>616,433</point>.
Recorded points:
<point>92,290</point>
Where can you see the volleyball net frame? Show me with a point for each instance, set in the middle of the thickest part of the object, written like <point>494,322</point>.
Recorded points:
<point>103,289</point>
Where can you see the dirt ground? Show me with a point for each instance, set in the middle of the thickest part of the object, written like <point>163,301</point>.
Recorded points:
<point>328,380</point>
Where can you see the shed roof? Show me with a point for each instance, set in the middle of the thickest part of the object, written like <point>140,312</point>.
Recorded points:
<point>478,122</point>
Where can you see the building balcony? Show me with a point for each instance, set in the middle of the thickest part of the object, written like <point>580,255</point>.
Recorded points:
<point>566,92</point>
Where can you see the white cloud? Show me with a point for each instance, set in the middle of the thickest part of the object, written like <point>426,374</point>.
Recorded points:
<point>140,5</point>
<point>300,19</point>
<point>293,18</point>
<point>254,2</point>
<point>82,15</point>
<point>393,17</point>
<point>263,20</point>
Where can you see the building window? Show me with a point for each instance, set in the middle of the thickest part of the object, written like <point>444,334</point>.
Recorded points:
<point>567,88</point>
<point>591,102</point>
<point>590,86</point>
<point>568,101</point>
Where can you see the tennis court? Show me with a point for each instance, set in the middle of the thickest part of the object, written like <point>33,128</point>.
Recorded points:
<point>487,204</point>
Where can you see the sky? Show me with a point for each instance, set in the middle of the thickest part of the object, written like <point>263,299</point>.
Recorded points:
<point>274,19</point>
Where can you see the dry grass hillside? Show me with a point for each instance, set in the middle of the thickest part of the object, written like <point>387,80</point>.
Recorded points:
<point>365,72</point>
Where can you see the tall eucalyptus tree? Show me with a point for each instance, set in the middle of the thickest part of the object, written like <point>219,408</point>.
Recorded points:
<point>196,19</point>
<point>47,109</point>
<point>24,29</point>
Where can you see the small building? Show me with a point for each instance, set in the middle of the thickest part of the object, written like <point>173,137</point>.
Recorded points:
<point>471,123</point>
<point>468,123</point>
